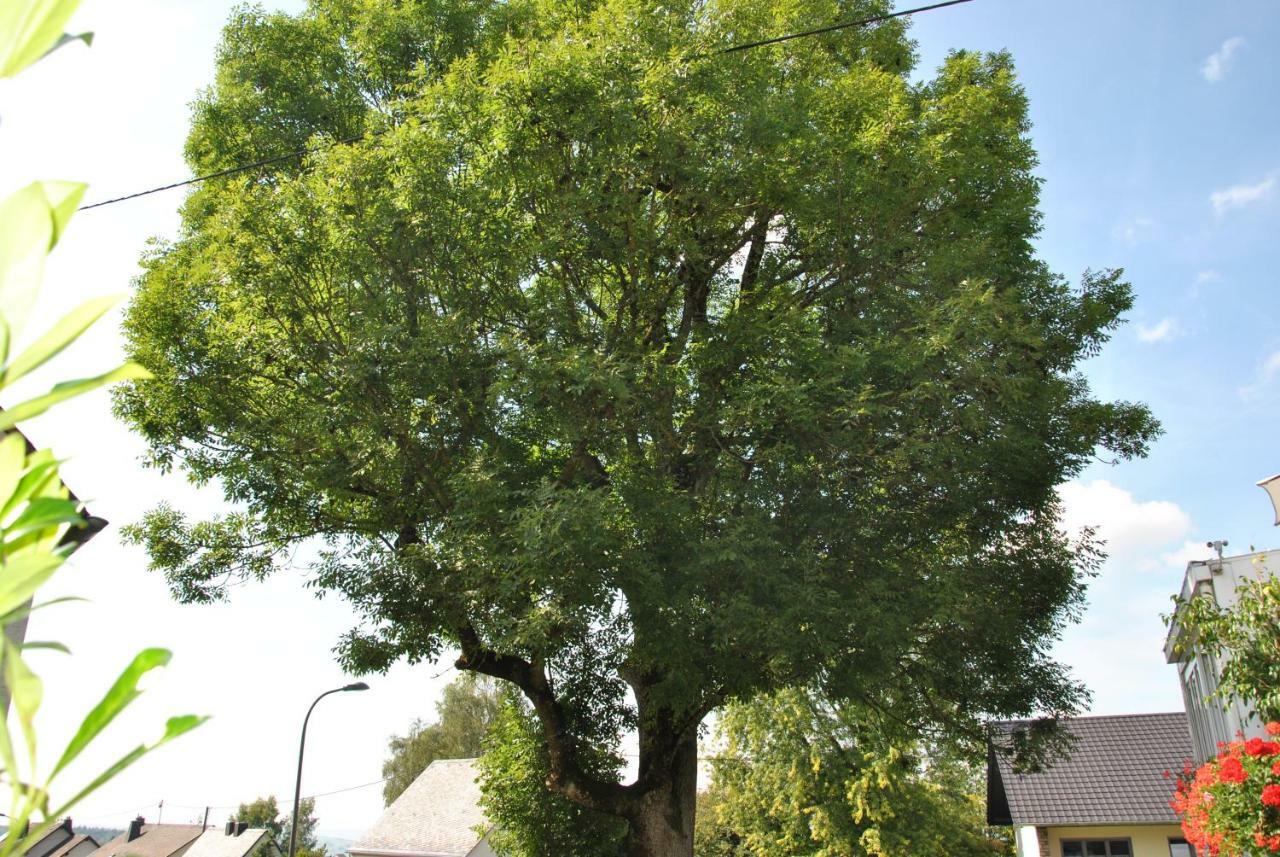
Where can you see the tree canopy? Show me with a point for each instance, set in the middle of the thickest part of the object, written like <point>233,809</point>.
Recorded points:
<point>265,813</point>
<point>464,714</point>
<point>645,377</point>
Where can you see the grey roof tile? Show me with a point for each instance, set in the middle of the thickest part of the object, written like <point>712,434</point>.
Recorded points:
<point>1114,773</point>
<point>438,815</point>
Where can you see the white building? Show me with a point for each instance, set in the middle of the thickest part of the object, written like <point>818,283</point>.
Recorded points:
<point>1213,720</point>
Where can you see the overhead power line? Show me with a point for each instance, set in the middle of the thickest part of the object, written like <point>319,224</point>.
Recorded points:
<point>746,46</point>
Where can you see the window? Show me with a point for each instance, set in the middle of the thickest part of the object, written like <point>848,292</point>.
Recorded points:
<point>1096,848</point>
<point>1181,848</point>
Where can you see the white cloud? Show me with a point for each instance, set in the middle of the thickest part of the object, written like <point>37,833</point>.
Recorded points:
<point>1133,231</point>
<point>1207,276</point>
<point>1189,552</point>
<point>1162,331</point>
<point>1134,530</point>
<point>1240,195</point>
<point>1216,65</point>
<point>1267,372</point>
<point>1118,648</point>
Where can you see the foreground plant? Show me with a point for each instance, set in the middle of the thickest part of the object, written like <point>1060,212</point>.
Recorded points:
<point>1230,805</point>
<point>39,519</point>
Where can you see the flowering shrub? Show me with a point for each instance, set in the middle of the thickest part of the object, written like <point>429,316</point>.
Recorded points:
<point>1231,805</point>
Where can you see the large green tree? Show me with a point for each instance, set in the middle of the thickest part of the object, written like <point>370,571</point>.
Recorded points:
<point>643,377</point>
<point>468,707</point>
<point>265,813</point>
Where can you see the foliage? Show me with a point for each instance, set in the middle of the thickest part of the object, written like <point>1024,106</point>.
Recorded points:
<point>40,521</point>
<point>263,812</point>
<point>463,715</point>
<point>1246,636</point>
<point>1231,804</point>
<point>800,776</point>
<point>529,820</point>
<point>622,366</point>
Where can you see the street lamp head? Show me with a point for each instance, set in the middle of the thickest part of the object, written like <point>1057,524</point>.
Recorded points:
<point>357,686</point>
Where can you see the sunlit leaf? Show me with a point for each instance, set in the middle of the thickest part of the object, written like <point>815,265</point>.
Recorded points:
<point>29,29</point>
<point>122,692</point>
<point>22,575</point>
<point>69,390</point>
<point>58,337</point>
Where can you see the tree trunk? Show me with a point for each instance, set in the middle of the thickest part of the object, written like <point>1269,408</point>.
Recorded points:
<point>662,825</point>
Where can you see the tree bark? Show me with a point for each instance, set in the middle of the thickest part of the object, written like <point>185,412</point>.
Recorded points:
<point>661,822</point>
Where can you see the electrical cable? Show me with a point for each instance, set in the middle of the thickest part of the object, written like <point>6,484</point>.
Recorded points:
<point>287,156</point>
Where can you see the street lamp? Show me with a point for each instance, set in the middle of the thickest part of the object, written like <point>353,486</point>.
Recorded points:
<point>302,745</point>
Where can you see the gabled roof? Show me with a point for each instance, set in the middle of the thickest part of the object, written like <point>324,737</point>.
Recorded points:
<point>216,843</point>
<point>73,843</point>
<point>156,840</point>
<point>1114,773</point>
<point>439,815</point>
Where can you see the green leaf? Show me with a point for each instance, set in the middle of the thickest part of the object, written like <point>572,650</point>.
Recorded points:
<point>27,691</point>
<point>13,460</point>
<point>174,727</point>
<point>67,38</point>
<point>15,615</point>
<point>49,645</point>
<point>29,29</point>
<point>40,480</point>
<point>63,333</point>
<point>22,575</point>
<point>64,201</point>
<point>4,341</point>
<point>69,390</point>
<point>43,517</point>
<point>124,691</point>
<point>26,230</point>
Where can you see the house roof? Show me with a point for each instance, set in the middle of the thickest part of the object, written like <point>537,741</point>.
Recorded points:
<point>1113,773</point>
<point>439,815</point>
<point>216,843</point>
<point>156,840</point>
<point>68,846</point>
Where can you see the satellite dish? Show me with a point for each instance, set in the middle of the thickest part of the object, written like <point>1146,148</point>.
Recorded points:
<point>1272,486</point>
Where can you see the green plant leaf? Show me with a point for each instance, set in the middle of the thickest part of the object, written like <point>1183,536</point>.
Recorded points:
<point>26,230</point>
<point>14,615</point>
<point>47,645</point>
<point>43,513</point>
<point>63,333</point>
<point>118,697</point>
<point>22,575</point>
<point>174,727</point>
<point>26,691</point>
<point>4,341</point>
<point>29,29</point>
<point>40,480</point>
<point>67,38</point>
<point>69,390</point>
<point>13,460</point>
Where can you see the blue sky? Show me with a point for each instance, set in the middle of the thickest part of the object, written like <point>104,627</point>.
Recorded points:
<point>1139,131</point>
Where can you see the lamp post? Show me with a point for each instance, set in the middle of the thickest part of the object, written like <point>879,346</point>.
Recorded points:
<point>302,745</point>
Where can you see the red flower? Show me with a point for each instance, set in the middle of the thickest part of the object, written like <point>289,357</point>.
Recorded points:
<point>1258,747</point>
<point>1271,795</point>
<point>1275,768</point>
<point>1273,728</point>
<point>1231,771</point>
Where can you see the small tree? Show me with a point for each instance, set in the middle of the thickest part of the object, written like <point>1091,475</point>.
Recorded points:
<point>264,812</point>
<point>463,716</point>
<point>1246,636</point>
<point>800,775</point>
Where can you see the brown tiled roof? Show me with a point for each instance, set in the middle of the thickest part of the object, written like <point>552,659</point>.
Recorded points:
<point>1113,773</point>
<point>66,847</point>
<point>157,840</point>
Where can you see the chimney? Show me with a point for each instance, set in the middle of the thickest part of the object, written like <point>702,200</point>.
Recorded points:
<point>241,827</point>
<point>230,829</point>
<point>135,828</point>
<point>66,824</point>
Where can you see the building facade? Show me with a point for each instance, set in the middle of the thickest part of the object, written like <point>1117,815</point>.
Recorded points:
<point>1211,719</point>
